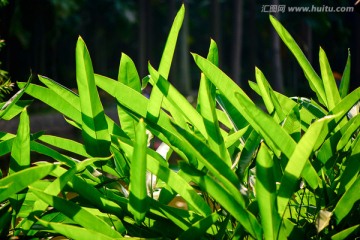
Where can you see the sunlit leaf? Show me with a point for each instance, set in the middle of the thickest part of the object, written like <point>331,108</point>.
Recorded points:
<point>94,126</point>
<point>138,204</point>
<point>297,163</point>
<point>345,80</point>
<point>78,214</point>
<point>129,76</point>
<point>314,80</point>
<point>165,63</point>
<point>20,180</point>
<point>331,90</point>
<point>266,193</point>
<point>75,232</point>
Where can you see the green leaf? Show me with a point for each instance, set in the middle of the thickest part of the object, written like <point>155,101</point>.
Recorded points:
<point>248,152</point>
<point>178,101</point>
<point>344,234</point>
<point>267,94</point>
<point>331,91</point>
<point>20,180</point>
<point>137,104</point>
<point>226,199</point>
<point>275,136</point>
<point>198,229</point>
<point>54,100</point>
<point>266,193</point>
<point>347,201</point>
<point>352,169</point>
<point>211,161</point>
<point>345,80</point>
<point>297,163</point>
<point>165,63</point>
<point>292,123</point>
<point>314,80</point>
<point>12,107</point>
<point>54,188</point>
<point>157,166</point>
<point>207,108</point>
<point>75,232</point>
<point>14,110</point>
<point>6,145</point>
<point>78,214</point>
<point>94,126</point>
<point>129,76</point>
<point>65,144</point>
<point>68,96</point>
<point>138,204</point>
<point>91,194</point>
<point>226,86</point>
<point>20,152</point>
<point>40,148</point>
<point>348,134</point>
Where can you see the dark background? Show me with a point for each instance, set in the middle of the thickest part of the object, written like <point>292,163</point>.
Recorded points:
<point>40,37</point>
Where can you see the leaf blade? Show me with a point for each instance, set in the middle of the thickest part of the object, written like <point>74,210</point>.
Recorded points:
<point>94,126</point>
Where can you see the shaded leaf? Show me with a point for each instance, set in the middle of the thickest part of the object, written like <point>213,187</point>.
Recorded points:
<point>78,214</point>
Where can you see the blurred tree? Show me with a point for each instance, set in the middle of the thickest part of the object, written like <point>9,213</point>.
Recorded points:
<point>237,42</point>
<point>43,39</point>
<point>5,83</point>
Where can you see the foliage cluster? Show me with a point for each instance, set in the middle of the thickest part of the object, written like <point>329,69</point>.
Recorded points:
<point>291,171</point>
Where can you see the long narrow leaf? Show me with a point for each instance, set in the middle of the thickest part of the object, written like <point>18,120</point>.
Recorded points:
<point>20,180</point>
<point>7,110</point>
<point>157,166</point>
<point>347,201</point>
<point>130,77</point>
<point>71,98</point>
<point>94,126</point>
<point>78,214</point>
<point>314,80</point>
<point>20,152</point>
<point>345,80</point>
<point>225,198</point>
<point>226,86</point>
<point>65,144</point>
<point>74,232</point>
<point>266,194</point>
<point>138,204</point>
<point>345,233</point>
<point>165,63</point>
<point>297,163</point>
<point>211,161</point>
<point>331,91</point>
<point>178,100</point>
<point>207,108</point>
<point>270,101</point>
<point>53,100</point>
<point>352,169</point>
